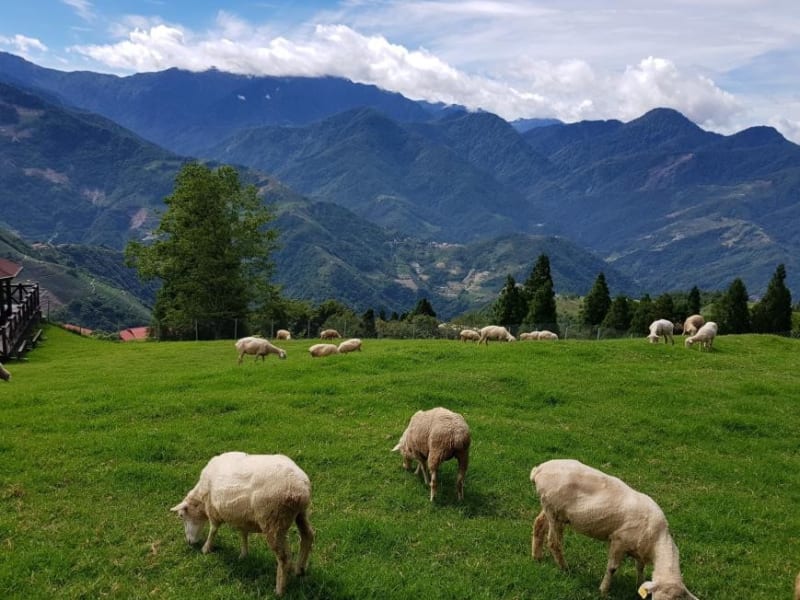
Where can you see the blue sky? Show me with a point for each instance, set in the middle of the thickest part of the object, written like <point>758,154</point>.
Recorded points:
<point>726,64</point>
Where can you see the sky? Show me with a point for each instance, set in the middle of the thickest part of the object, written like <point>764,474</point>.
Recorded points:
<point>725,64</point>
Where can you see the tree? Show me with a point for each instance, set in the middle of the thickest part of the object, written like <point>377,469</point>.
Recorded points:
<point>773,314</point>
<point>211,254</point>
<point>368,324</point>
<point>539,276</point>
<point>618,316</point>
<point>510,308</point>
<point>540,296</point>
<point>664,307</point>
<point>596,303</point>
<point>693,302</point>
<point>733,316</point>
<point>642,316</point>
<point>423,307</point>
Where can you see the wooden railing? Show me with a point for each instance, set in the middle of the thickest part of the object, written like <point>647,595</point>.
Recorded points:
<point>18,325</point>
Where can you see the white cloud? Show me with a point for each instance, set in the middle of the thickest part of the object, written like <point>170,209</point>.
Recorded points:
<point>22,45</point>
<point>83,8</point>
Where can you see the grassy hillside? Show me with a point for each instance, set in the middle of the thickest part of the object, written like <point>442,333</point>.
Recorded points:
<point>95,449</point>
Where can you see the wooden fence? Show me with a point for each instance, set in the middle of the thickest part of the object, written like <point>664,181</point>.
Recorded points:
<point>17,326</point>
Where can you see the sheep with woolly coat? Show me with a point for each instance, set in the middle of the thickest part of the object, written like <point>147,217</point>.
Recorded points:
<point>605,508</point>
<point>469,335</point>
<point>254,493</point>
<point>692,324</point>
<point>318,350</point>
<point>351,345</point>
<point>661,328</point>
<point>529,335</point>
<point>547,335</point>
<point>329,334</point>
<point>257,346</point>
<point>495,332</point>
<point>4,374</point>
<point>283,334</point>
<point>432,437</point>
<point>704,336</point>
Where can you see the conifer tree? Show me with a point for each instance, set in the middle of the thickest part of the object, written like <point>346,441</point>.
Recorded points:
<point>510,308</point>
<point>773,313</point>
<point>423,307</point>
<point>619,315</point>
<point>539,276</point>
<point>693,302</point>
<point>596,303</point>
<point>733,315</point>
<point>641,316</point>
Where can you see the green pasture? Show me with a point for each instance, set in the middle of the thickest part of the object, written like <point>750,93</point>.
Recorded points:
<point>99,439</point>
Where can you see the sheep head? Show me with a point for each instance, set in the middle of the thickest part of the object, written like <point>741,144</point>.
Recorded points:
<point>194,519</point>
<point>673,590</point>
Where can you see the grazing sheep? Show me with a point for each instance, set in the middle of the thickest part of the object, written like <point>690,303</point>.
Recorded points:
<point>253,493</point>
<point>533,335</point>
<point>432,437</point>
<point>351,345</point>
<point>661,328</point>
<point>547,335</point>
<point>469,335</point>
<point>797,587</point>
<point>705,335</point>
<point>692,324</point>
<point>283,334</point>
<point>4,375</point>
<point>495,332</point>
<point>605,508</point>
<point>329,334</point>
<point>257,346</point>
<point>323,350</point>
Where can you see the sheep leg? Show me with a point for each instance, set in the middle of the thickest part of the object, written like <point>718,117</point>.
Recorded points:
<point>421,466</point>
<point>212,532</point>
<point>616,554</point>
<point>276,538</point>
<point>434,460</point>
<point>241,357</point>
<point>555,539</point>
<point>540,530</point>
<point>463,462</point>
<point>639,572</point>
<point>244,547</point>
<point>306,539</point>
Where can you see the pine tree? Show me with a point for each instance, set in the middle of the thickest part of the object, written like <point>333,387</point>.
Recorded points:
<point>423,307</point>
<point>368,324</point>
<point>733,315</point>
<point>211,254</point>
<point>542,312</point>
<point>619,315</point>
<point>773,314</point>
<point>664,307</point>
<point>693,302</point>
<point>596,303</point>
<point>539,276</point>
<point>510,308</point>
<point>641,316</point>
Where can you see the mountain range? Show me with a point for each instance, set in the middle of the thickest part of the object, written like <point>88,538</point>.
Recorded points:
<point>381,200</point>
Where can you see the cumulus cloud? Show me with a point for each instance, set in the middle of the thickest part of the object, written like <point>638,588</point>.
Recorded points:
<point>22,45</point>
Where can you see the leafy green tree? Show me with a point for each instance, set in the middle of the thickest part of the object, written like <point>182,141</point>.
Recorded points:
<point>423,307</point>
<point>641,316</point>
<point>596,303</point>
<point>211,254</point>
<point>618,316</point>
<point>773,314</point>
<point>510,308</point>
<point>664,307</point>
<point>368,324</point>
<point>732,313</point>
<point>693,302</point>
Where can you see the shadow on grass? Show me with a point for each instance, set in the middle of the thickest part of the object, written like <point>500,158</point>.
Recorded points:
<point>588,576</point>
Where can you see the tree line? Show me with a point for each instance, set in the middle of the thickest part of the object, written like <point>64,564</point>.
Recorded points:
<point>211,255</point>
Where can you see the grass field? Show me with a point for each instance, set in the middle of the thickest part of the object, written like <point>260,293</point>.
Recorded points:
<point>98,440</point>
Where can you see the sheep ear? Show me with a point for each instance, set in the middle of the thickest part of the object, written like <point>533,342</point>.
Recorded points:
<point>396,448</point>
<point>178,507</point>
<point>646,588</point>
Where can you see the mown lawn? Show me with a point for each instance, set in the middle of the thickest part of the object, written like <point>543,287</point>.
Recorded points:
<point>98,440</point>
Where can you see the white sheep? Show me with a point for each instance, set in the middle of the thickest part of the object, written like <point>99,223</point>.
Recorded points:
<point>605,508</point>
<point>253,493</point>
<point>351,345</point>
<point>547,335</point>
<point>329,334</point>
<point>661,328</point>
<point>797,587</point>
<point>469,335</point>
<point>531,335</point>
<point>432,437</point>
<point>257,346</point>
<point>692,324</point>
<point>283,334</point>
<point>495,332</point>
<point>4,374</point>
<point>323,350</point>
<point>705,335</point>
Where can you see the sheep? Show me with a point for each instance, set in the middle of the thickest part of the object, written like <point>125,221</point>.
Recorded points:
<point>692,324</point>
<point>329,334</point>
<point>432,437</point>
<point>4,374</point>
<point>323,350</point>
<point>605,508</point>
<point>547,335</point>
<point>797,587</point>
<point>257,346</point>
<point>469,335</point>
<point>351,345</point>
<point>283,334</point>
<point>533,335</point>
<point>659,328</point>
<point>253,493</point>
<point>705,335</point>
<point>495,332</point>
